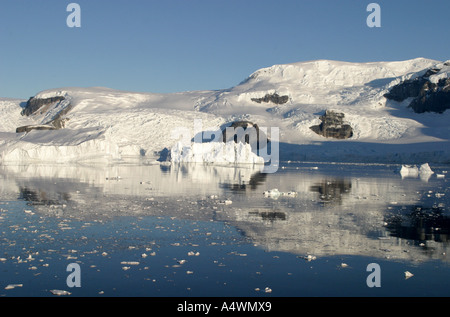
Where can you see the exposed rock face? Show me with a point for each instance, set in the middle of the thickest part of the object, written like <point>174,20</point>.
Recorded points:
<point>433,97</point>
<point>274,98</point>
<point>429,96</point>
<point>249,133</point>
<point>38,106</point>
<point>333,126</point>
<point>406,89</point>
<point>34,104</point>
<point>28,128</point>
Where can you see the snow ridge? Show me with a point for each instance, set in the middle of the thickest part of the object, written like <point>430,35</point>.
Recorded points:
<point>106,124</point>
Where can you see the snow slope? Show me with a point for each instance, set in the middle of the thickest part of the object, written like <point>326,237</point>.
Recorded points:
<point>109,125</point>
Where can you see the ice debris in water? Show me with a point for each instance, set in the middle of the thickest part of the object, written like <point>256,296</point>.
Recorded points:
<point>415,171</point>
<point>59,292</point>
<point>129,263</point>
<point>309,257</point>
<point>408,275</point>
<point>275,193</point>
<point>12,286</point>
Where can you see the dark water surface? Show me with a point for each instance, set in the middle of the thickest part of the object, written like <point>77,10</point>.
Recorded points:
<point>195,230</point>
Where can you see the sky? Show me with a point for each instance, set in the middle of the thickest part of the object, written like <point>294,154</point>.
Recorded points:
<point>165,46</point>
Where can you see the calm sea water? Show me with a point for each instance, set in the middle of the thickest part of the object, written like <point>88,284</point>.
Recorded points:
<point>196,230</point>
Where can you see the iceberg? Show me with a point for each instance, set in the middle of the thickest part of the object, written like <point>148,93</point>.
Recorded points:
<point>424,171</point>
<point>214,152</point>
<point>409,171</point>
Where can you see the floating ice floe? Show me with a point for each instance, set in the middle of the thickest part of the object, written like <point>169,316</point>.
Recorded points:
<point>129,263</point>
<point>275,193</point>
<point>12,286</point>
<point>408,275</point>
<point>59,292</point>
<point>423,171</point>
<point>309,257</point>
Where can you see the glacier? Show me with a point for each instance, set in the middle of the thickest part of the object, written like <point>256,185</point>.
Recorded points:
<point>108,125</point>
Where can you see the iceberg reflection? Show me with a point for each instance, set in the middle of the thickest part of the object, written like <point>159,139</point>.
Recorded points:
<point>337,210</point>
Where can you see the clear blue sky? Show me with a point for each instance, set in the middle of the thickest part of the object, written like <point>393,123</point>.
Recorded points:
<point>170,46</point>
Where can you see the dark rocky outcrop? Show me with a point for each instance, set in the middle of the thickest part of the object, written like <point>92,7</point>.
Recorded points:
<point>37,106</point>
<point>59,121</point>
<point>274,98</point>
<point>250,133</point>
<point>433,97</point>
<point>427,96</point>
<point>407,89</point>
<point>34,104</point>
<point>333,126</point>
<point>28,128</point>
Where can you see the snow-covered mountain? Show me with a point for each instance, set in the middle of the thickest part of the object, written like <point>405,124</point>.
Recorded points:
<point>78,124</point>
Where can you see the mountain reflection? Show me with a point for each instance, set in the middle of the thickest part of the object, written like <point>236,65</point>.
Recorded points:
<point>256,180</point>
<point>332,190</point>
<point>39,197</point>
<point>421,224</point>
<point>335,211</point>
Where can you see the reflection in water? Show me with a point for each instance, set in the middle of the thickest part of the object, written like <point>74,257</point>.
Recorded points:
<point>38,197</point>
<point>256,180</point>
<point>421,224</point>
<point>338,210</point>
<point>331,191</point>
<point>270,216</point>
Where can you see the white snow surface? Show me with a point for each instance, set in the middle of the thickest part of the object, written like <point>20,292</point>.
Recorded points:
<point>214,152</point>
<point>113,125</point>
